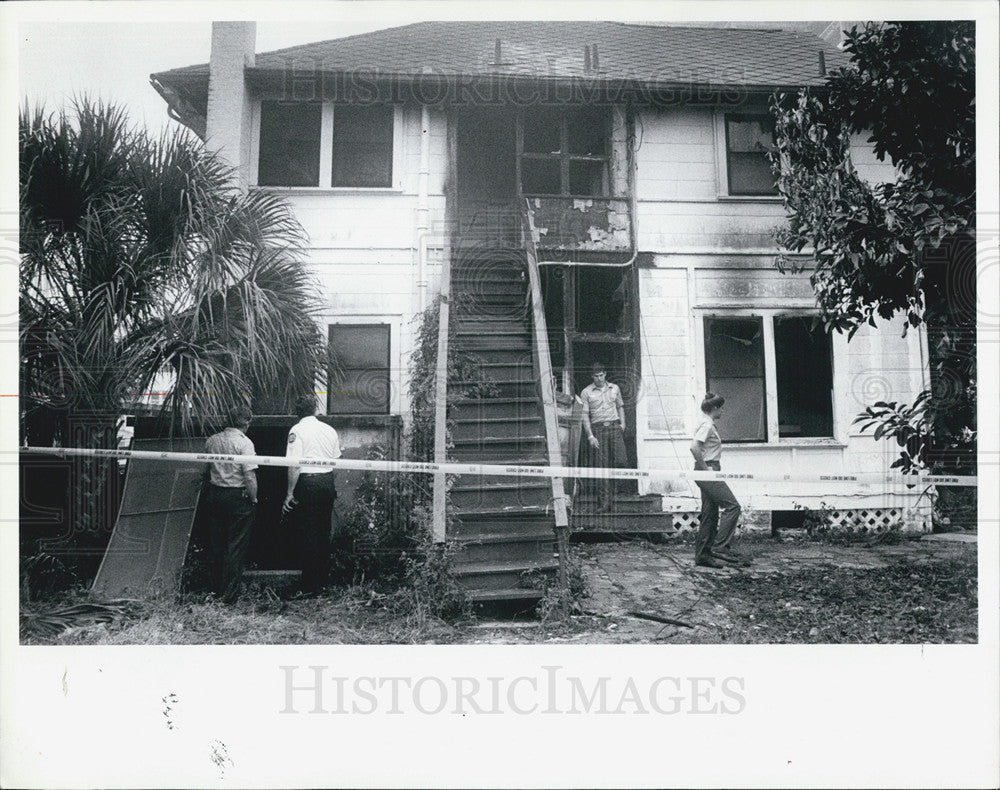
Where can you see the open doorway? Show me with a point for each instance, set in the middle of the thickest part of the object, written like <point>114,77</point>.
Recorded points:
<point>486,178</point>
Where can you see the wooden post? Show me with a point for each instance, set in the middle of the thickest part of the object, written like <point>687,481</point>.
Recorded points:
<point>543,361</point>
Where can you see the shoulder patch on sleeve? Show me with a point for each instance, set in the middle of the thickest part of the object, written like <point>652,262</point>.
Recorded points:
<point>291,437</point>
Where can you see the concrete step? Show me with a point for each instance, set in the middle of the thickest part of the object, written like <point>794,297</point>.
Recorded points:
<point>485,324</point>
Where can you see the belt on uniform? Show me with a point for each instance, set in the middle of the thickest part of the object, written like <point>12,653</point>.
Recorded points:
<point>609,422</point>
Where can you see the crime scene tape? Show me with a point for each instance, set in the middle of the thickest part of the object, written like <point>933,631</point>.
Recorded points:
<point>513,470</point>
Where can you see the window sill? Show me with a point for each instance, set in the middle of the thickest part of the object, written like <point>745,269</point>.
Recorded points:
<point>749,198</point>
<point>331,190</point>
<point>784,443</point>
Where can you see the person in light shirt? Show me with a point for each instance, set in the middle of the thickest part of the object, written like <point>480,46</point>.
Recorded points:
<point>311,492</point>
<point>230,492</point>
<point>604,424</point>
<point>720,512</point>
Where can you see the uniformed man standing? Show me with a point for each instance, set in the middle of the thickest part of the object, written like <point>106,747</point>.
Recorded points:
<point>230,503</point>
<point>604,424</point>
<point>311,492</point>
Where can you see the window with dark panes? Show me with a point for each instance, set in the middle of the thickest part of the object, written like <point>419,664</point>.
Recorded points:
<point>362,145</point>
<point>734,369</point>
<point>749,140</point>
<point>565,152</point>
<point>804,368</point>
<point>289,144</point>
<point>359,381</point>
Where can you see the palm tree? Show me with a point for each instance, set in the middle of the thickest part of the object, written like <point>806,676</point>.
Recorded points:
<point>138,258</point>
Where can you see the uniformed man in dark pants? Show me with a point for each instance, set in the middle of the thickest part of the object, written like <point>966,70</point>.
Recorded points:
<point>230,491</point>
<point>311,492</point>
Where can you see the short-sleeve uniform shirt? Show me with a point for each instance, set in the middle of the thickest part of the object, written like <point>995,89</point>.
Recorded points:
<point>231,441</point>
<point>707,434</point>
<point>310,438</point>
<point>602,404</point>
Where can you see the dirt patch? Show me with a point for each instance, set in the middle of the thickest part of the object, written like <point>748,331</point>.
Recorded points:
<point>795,591</point>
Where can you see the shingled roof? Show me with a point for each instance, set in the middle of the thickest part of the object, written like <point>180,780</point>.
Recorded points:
<point>634,53</point>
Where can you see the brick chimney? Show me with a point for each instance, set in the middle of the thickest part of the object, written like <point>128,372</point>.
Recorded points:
<point>229,117</point>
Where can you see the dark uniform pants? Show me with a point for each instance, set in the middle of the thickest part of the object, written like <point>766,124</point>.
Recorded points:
<point>610,454</point>
<point>230,515</point>
<point>315,495</point>
<point>720,513</point>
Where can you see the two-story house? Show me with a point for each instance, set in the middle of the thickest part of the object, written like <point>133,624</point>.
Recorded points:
<point>576,191</point>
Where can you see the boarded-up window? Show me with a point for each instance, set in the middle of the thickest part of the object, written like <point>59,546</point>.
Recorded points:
<point>359,369</point>
<point>804,368</point>
<point>289,144</point>
<point>362,145</point>
<point>734,367</point>
<point>749,139</point>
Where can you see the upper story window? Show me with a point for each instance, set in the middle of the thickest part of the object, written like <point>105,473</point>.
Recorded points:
<point>565,152</point>
<point>749,138</point>
<point>289,144</point>
<point>317,144</point>
<point>362,145</point>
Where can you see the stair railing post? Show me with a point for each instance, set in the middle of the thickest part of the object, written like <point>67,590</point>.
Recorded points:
<point>439,517</point>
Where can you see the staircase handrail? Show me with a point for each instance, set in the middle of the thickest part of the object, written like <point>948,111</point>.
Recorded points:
<point>543,364</point>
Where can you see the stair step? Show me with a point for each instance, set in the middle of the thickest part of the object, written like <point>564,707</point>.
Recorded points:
<point>473,408</point>
<point>508,537</point>
<point>499,389</point>
<point>510,520</point>
<point>489,568</point>
<point>496,483</point>
<point>497,356</point>
<point>521,388</point>
<point>498,427</point>
<point>624,522</point>
<point>516,594</point>
<point>507,371</point>
<point>474,551</point>
<point>650,503</point>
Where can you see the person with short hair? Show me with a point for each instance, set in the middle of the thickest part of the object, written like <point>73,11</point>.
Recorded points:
<point>720,512</point>
<point>311,492</point>
<point>230,503</point>
<point>604,424</point>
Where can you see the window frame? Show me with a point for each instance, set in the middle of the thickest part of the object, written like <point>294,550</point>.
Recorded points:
<point>390,382</point>
<point>772,418</point>
<point>565,157</point>
<point>722,155</point>
<point>325,182</point>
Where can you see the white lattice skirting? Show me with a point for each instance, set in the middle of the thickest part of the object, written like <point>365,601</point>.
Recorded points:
<point>874,519</point>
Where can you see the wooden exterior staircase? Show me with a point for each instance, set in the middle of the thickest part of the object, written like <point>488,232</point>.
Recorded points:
<point>503,525</point>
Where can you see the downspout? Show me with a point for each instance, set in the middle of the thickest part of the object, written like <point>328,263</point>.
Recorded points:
<point>423,207</point>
